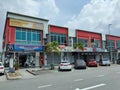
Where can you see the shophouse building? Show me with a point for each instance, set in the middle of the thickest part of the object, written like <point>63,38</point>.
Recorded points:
<point>23,39</point>
<point>60,35</point>
<point>93,48</point>
<point>67,37</point>
<point>113,46</point>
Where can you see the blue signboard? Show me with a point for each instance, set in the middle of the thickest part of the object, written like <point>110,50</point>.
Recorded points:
<point>28,47</point>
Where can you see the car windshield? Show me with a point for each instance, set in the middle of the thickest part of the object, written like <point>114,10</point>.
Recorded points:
<point>92,60</point>
<point>64,62</point>
<point>0,64</point>
<point>105,59</point>
<point>80,61</point>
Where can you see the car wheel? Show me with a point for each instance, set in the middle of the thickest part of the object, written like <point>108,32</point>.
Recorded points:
<point>59,69</point>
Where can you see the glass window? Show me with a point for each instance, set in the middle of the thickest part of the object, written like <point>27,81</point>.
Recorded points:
<point>84,41</point>
<point>23,35</point>
<point>110,45</point>
<point>97,43</point>
<point>18,35</point>
<point>38,37</point>
<point>60,38</point>
<point>118,44</point>
<point>28,36</point>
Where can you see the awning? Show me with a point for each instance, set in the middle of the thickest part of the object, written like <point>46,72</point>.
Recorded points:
<point>28,47</point>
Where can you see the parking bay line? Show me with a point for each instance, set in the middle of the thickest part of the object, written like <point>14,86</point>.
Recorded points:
<point>78,80</point>
<point>44,86</point>
<point>100,75</point>
<point>118,72</point>
<point>92,87</point>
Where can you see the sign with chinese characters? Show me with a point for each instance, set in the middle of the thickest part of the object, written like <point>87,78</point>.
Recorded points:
<point>26,24</point>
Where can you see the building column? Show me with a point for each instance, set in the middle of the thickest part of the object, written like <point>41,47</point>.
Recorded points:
<point>11,63</point>
<point>3,57</point>
<point>117,56</point>
<point>37,63</point>
<point>45,61</point>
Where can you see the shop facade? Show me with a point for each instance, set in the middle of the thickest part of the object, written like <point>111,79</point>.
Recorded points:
<point>66,38</point>
<point>23,39</point>
<point>113,46</point>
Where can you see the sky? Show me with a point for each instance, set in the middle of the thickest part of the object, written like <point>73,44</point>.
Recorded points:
<point>89,15</point>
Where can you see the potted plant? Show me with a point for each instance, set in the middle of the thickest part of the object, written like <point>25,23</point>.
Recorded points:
<point>16,65</point>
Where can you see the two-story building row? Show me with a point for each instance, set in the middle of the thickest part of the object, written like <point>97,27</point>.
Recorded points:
<point>25,37</point>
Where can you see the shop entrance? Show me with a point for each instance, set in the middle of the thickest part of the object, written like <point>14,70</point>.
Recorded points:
<point>26,60</point>
<point>22,60</point>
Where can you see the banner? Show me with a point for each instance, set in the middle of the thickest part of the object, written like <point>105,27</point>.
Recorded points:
<point>28,48</point>
<point>26,24</point>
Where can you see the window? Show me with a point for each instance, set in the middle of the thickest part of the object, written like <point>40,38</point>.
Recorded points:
<point>110,45</point>
<point>60,38</point>
<point>97,43</point>
<point>118,44</point>
<point>84,41</point>
<point>28,36</point>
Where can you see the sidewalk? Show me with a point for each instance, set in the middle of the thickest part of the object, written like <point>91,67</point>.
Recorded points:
<point>27,73</point>
<point>19,74</point>
<point>37,71</point>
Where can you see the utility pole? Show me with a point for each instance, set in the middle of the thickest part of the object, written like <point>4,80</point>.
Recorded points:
<point>109,25</point>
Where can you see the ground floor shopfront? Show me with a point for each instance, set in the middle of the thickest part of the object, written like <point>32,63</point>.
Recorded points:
<point>115,56</point>
<point>72,56</point>
<point>25,55</point>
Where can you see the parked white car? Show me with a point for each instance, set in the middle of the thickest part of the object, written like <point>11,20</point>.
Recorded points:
<point>65,65</point>
<point>2,68</point>
<point>105,62</point>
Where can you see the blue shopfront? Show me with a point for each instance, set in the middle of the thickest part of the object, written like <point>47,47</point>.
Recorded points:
<point>26,55</point>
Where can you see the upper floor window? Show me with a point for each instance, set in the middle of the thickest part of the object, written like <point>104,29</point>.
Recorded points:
<point>84,41</point>
<point>60,38</point>
<point>97,43</point>
<point>110,45</point>
<point>28,36</point>
<point>118,44</point>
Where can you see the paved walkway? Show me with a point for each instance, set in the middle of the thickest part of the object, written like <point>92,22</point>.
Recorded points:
<point>3,78</point>
<point>25,74</point>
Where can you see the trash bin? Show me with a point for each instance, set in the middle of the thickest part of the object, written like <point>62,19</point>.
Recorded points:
<point>52,66</point>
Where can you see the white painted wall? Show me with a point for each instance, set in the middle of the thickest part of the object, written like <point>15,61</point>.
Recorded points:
<point>71,32</point>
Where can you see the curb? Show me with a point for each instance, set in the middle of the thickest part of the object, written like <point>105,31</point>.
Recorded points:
<point>31,72</point>
<point>13,77</point>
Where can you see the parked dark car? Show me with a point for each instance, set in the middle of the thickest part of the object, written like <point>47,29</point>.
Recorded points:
<point>118,61</point>
<point>80,64</point>
<point>92,63</point>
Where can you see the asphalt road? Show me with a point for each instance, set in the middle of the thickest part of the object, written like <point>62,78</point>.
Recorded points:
<point>100,78</point>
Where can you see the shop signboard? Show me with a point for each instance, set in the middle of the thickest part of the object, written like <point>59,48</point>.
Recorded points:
<point>28,47</point>
<point>26,24</point>
<point>100,50</point>
<point>87,49</point>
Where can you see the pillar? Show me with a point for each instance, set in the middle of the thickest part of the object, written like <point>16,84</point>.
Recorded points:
<point>37,63</point>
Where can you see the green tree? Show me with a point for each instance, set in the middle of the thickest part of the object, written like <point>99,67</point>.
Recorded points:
<point>79,45</point>
<point>52,48</point>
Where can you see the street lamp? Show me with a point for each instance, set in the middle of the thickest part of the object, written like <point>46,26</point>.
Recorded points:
<point>109,25</point>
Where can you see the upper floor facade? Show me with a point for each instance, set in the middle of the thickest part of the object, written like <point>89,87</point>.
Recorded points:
<point>23,30</point>
<point>31,32</point>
